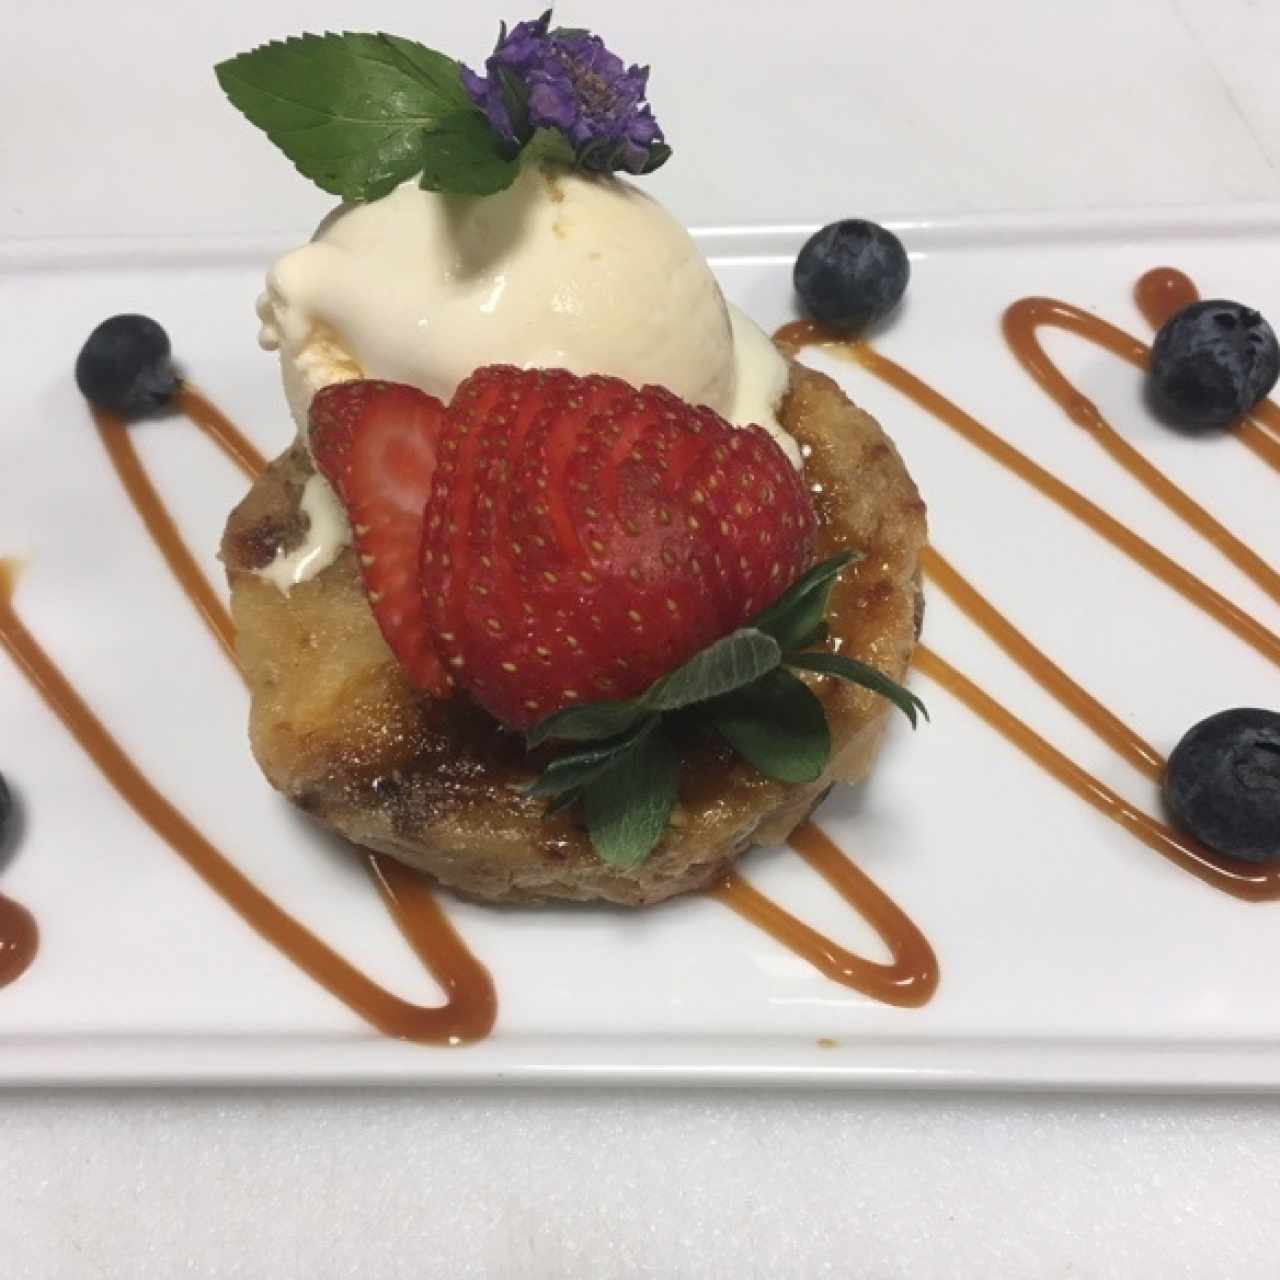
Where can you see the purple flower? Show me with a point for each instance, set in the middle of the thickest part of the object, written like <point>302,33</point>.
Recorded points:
<point>568,81</point>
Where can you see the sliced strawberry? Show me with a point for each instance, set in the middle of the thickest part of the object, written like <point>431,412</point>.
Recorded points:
<point>583,538</point>
<point>759,517</point>
<point>376,442</point>
<point>467,565</point>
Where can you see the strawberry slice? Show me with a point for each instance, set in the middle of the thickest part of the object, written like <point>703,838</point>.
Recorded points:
<point>376,443</point>
<point>757,531</point>
<point>584,538</point>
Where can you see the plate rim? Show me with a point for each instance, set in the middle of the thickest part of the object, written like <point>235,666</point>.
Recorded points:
<point>930,232</point>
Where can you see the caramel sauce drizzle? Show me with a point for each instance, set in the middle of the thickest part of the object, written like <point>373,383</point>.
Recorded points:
<point>19,940</point>
<point>908,982</point>
<point>147,502</point>
<point>1159,294</point>
<point>1021,322</point>
<point>470,1006</point>
<point>213,423</point>
<point>1162,292</point>
<point>113,431</point>
<point>1193,589</point>
<point>1246,880</point>
<point>1051,677</point>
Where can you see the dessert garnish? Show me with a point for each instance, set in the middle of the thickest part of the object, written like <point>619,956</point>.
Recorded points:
<point>600,565</point>
<point>360,113</point>
<point>125,366</point>
<point>566,81</point>
<point>1211,363</point>
<point>851,274</point>
<point>1223,783</point>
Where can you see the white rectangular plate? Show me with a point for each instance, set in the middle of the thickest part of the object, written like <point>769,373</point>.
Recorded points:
<point>1070,954</point>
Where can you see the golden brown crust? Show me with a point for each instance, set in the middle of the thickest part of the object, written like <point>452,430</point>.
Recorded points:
<point>336,728</point>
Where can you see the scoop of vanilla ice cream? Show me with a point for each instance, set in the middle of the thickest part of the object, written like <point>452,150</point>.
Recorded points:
<point>561,270</point>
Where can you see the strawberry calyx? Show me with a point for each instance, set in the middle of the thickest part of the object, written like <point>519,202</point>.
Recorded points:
<point>621,764</point>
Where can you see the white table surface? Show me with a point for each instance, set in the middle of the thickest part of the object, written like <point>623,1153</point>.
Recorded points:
<point>779,113</point>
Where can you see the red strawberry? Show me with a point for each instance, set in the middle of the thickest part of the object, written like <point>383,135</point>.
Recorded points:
<point>375,442</point>
<point>583,538</point>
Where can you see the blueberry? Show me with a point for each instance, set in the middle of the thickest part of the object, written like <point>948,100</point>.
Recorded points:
<point>125,366</point>
<point>1211,363</point>
<point>850,274</point>
<point>1223,783</point>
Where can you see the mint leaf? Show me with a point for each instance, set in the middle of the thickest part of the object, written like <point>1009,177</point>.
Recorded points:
<point>796,618</point>
<point>778,725</point>
<point>547,146</point>
<point>836,664</point>
<point>430,67</point>
<point>359,113</point>
<point>580,768</point>
<point>731,662</point>
<point>463,158</point>
<point>627,809</point>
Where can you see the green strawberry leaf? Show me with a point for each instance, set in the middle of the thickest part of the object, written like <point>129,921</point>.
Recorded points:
<point>777,724</point>
<point>797,617</point>
<point>818,637</point>
<point>576,769</point>
<point>360,113</point>
<point>585,723</point>
<point>731,662</point>
<point>625,772</point>
<point>565,800</point>
<point>628,807</point>
<point>836,664</point>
